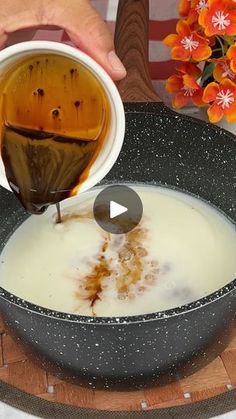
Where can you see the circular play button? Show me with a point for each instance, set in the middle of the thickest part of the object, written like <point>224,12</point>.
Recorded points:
<point>118,209</point>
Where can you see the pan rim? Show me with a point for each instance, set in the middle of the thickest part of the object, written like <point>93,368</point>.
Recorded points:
<point>125,320</point>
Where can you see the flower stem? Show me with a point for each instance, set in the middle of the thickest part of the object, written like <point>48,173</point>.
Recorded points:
<point>217,49</point>
<point>222,46</point>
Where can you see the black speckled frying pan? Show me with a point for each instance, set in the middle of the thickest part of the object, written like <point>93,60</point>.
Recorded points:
<point>161,147</point>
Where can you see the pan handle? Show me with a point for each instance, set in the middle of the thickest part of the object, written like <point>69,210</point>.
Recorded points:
<point>131,41</point>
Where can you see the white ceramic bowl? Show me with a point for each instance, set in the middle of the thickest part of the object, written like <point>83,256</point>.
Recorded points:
<point>115,137</point>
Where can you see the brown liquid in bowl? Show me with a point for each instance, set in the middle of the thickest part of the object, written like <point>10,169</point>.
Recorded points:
<point>55,118</point>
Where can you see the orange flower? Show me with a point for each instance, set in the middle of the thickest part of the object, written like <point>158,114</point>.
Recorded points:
<point>222,98</point>
<point>219,18</point>
<point>226,67</point>
<point>231,55</point>
<point>192,19</point>
<point>191,69</point>
<point>185,87</point>
<point>223,70</point>
<point>184,7</point>
<point>188,45</point>
<point>197,6</point>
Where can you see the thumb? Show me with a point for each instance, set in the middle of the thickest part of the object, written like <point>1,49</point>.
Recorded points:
<point>89,32</point>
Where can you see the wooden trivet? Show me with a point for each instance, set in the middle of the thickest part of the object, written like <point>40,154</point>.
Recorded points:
<point>21,372</point>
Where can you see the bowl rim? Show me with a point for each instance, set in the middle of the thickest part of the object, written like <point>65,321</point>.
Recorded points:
<point>116,104</point>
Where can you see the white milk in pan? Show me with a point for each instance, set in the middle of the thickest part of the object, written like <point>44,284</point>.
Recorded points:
<point>182,250</point>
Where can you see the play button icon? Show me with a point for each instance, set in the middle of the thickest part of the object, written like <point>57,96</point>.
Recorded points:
<point>118,209</point>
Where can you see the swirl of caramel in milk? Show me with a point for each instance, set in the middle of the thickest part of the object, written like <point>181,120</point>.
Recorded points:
<point>122,258</point>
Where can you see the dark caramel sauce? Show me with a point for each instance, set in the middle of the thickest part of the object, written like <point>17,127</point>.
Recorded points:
<point>43,171</point>
<point>55,117</point>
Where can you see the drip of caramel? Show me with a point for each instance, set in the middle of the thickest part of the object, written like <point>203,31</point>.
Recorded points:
<point>54,119</point>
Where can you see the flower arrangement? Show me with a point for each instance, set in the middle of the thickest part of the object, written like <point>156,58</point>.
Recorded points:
<point>205,44</point>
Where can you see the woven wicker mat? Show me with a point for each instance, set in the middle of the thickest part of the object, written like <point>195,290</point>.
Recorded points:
<point>28,387</point>
<point>45,409</point>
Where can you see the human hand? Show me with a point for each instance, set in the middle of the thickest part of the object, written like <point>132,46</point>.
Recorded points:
<point>78,18</point>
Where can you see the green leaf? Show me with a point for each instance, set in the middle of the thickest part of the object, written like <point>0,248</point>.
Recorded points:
<point>229,39</point>
<point>207,73</point>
